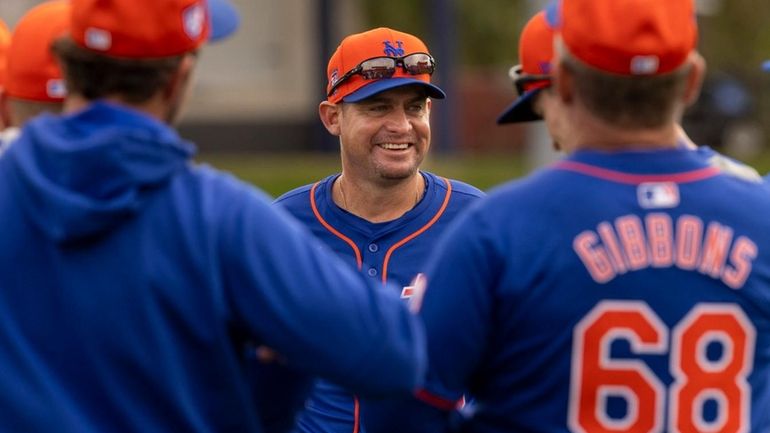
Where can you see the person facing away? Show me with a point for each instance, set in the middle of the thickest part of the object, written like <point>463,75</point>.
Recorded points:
<point>132,278</point>
<point>381,214</point>
<point>5,39</point>
<point>33,80</point>
<point>625,288</point>
<point>532,80</point>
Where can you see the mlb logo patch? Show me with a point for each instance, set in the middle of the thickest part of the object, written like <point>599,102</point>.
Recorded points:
<point>194,19</point>
<point>644,65</point>
<point>98,39</point>
<point>55,88</point>
<point>658,195</point>
<point>335,77</point>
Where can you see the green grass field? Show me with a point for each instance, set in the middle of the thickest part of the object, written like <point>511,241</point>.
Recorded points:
<point>278,173</point>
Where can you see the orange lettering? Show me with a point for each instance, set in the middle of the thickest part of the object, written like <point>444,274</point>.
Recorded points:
<point>661,238</point>
<point>632,238</point>
<point>594,257</point>
<point>715,247</point>
<point>743,253</point>
<point>611,242</point>
<point>689,230</point>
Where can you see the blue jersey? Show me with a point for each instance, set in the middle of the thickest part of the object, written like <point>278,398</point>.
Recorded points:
<point>132,281</point>
<point>394,251</point>
<point>609,292</point>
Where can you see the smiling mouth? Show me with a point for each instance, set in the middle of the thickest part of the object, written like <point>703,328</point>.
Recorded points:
<point>394,146</point>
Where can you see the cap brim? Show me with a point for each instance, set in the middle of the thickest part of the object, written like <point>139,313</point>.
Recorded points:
<point>521,110</point>
<point>391,83</point>
<point>224,19</point>
<point>766,66</point>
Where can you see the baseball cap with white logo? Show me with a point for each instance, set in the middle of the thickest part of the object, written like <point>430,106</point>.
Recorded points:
<point>32,72</point>
<point>629,37</point>
<point>152,28</point>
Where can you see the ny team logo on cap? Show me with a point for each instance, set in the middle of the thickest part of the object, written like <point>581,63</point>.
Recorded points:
<point>377,60</point>
<point>392,51</point>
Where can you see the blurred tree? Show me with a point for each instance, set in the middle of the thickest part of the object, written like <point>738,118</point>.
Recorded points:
<point>487,30</point>
<point>490,29</point>
<point>735,35</point>
<point>735,39</point>
<point>403,15</point>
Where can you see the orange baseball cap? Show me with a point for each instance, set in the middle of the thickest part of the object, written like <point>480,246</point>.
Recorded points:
<point>150,29</point>
<point>5,38</point>
<point>32,72</point>
<point>379,42</point>
<point>630,37</point>
<point>535,55</point>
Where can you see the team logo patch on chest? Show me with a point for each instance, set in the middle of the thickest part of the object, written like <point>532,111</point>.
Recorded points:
<point>414,292</point>
<point>658,195</point>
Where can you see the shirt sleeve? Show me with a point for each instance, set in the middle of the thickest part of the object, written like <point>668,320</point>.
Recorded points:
<point>294,295</point>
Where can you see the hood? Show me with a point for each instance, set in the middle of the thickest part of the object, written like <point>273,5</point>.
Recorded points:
<point>80,175</point>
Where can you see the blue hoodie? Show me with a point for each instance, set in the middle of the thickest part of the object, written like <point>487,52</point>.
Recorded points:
<point>132,282</point>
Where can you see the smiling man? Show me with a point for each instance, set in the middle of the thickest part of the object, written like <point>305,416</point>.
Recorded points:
<point>382,214</point>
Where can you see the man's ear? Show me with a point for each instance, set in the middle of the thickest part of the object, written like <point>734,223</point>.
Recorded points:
<point>330,116</point>
<point>5,110</point>
<point>694,78</point>
<point>180,80</point>
<point>563,82</point>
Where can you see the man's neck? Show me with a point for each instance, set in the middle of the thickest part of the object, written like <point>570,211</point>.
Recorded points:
<point>378,202</point>
<point>595,134</point>
<point>153,107</point>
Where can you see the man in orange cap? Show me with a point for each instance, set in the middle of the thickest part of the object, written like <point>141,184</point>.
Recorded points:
<point>33,81</point>
<point>5,38</point>
<point>623,288</point>
<point>536,101</point>
<point>533,73</point>
<point>134,281</point>
<point>381,214</point>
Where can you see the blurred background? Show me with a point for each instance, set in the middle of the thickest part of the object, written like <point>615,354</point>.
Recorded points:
<point>254,109</point>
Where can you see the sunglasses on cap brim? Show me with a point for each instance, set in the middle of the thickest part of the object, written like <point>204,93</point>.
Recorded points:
<point>524,82</point>
<point>378,68</point>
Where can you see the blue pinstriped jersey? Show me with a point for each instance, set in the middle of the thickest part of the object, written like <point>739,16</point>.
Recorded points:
<point>608,292</point>
<point>393,251</point>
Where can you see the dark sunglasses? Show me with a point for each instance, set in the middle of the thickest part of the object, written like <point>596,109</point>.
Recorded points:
<point>524,82</point>
<point>384,67</point>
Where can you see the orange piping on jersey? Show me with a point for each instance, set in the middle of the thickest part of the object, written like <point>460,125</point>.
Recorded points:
<point>418,232</point>
<point>437,401</point>
<point>356,414</point>
<point>636,179</point>
<point>334,231</point>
